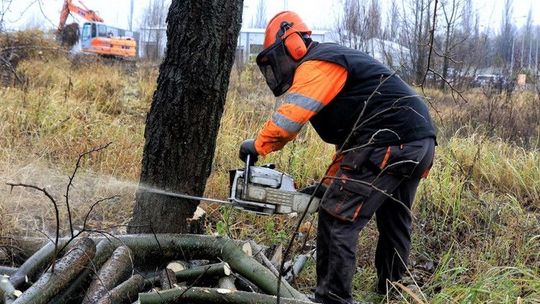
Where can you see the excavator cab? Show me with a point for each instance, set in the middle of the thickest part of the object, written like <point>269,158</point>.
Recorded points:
<point>107,41</point>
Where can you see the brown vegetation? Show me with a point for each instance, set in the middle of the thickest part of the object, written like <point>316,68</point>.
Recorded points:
<point>476,217</point>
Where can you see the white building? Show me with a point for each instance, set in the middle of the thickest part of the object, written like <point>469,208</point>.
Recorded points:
<point>153,42</point>
<point>393,54</point>
<point>250,42</point>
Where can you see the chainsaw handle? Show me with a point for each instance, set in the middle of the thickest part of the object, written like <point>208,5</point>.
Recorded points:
<point>269,166</point>
<point>246,174</point>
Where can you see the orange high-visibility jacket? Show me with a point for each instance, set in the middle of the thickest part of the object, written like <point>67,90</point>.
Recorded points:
<point>315,84</point>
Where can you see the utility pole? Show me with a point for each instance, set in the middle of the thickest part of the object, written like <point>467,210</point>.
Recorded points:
<point>131,8</point>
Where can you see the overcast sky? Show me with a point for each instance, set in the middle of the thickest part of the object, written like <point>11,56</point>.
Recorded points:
<point>317,13</point>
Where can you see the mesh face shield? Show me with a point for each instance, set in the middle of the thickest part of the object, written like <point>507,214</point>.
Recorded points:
<point>277,68</point>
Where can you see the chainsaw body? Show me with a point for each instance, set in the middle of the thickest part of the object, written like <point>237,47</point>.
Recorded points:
<point>267,191</point>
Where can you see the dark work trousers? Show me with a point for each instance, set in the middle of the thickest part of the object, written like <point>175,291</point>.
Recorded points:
<point>381,181</point>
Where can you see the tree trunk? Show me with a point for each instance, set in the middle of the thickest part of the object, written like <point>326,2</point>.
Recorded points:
<point>184,118</point>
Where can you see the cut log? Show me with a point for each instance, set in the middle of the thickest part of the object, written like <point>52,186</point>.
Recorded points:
<point>277,257</point>
<point>297,267</point>
<point>77,288</point>
<point>33,265</point>
<point>258,254</point>
<point>7,270</point>
<point>212,270</point>
<point>177,266</point>
<point>227,283</point>
<point>195,263</point>
<point>210,295</point>
<point>200,272</point>
<point>146,247</point>
<point>246,247</point>
<point>117,268</point>
<point>197,224</point>
<point>66,269</point>
<point>245,285</point>
<point>8,293</point>
<point>167,279</point>
<point>127,292</point>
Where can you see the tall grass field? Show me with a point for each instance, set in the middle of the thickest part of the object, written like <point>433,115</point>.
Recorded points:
<point>476,235</point>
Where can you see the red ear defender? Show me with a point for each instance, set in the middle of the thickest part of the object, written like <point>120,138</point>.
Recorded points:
<point>296,46</point>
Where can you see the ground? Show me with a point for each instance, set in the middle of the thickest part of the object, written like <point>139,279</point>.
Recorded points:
<point>476,218</point>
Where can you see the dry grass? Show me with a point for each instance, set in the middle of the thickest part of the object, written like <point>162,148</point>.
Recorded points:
<point>477,232</point>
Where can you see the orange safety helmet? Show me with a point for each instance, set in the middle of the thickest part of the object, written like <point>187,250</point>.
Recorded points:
<point>284,26</point>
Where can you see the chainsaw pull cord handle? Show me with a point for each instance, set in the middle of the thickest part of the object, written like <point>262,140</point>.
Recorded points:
<point>246,175</point>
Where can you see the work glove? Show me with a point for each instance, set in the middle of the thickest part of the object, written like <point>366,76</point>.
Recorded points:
<point>248,148</point>
<point>310,189</point>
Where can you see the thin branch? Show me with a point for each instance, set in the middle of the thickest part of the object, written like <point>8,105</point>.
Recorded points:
<point>57,213</point>
<point>432,38</point>
<point>70,183</point>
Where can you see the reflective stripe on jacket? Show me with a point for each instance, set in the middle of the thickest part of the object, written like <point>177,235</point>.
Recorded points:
<point>316,83</point>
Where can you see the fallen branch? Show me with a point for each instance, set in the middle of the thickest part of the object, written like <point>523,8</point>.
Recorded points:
<point>8,293</point>
<point>7,270</point>
<point>77,288</point>
<point>34,264</point>
<point>167,278</point>
<point>227,283</point>
<point>127,292</point>
<point>212,270</point>
<point>297,267</point>
<point>245,285</point>
<point>259,255</point>
<point>191,274</point>
<point>172,246</point>
<point>67,268</point>
<point>117,268</point>
<point>210,295</point>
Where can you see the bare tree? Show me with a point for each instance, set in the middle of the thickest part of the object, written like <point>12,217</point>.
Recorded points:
<point>260,15</point>
<point>183,121</point>
<point>528,35</point>
<point>373,20</point>
<point>350,25</point>
<point>393,24</point>
<point>416,23</point>
<point>4,8</point>
<point>505,45</point>
<point>473,52</point>
<point>452,13</point>
<point>153,25</point>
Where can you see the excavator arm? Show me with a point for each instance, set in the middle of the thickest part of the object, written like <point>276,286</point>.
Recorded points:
<point>83,11</point>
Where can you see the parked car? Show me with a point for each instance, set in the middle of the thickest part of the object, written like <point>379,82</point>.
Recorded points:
<point>486,80</point>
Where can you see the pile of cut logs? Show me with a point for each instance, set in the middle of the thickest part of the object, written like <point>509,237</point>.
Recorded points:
<point>149,268</point>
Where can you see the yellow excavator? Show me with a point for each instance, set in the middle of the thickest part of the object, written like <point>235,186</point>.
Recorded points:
<point>96,37</point>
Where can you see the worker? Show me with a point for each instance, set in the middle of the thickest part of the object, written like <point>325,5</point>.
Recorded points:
<point>385,142</point>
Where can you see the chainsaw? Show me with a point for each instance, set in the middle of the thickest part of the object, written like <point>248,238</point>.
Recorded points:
<point>262,190</point>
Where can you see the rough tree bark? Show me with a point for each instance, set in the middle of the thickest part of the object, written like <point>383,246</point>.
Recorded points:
<point>183,121</point>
